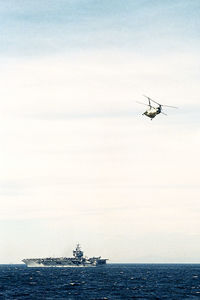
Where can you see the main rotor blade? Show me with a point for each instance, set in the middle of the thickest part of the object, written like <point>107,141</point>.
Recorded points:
<point>146,104</point>
<point>159,103</point>
<point>151,99</point>
<point>163,113</point>
<point>147,97</point>
<point>143,103</point>
<point>169,106</point>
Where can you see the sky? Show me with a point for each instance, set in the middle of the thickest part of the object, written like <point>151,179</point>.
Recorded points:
<point>79,162</point>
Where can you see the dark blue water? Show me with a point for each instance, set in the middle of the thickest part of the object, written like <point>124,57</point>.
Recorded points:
<point>115,281</point>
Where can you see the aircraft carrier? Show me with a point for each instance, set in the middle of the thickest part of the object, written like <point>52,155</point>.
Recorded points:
<point>78,260</point>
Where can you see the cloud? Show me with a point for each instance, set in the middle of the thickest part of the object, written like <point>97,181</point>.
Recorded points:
<point>96,84</point>
<point>146,27</point>
<point>77,157</point>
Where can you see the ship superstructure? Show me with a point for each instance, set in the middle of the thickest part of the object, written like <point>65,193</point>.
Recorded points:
<point>78,260</point>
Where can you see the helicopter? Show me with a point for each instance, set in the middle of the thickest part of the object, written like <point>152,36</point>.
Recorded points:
<point>154,111</point>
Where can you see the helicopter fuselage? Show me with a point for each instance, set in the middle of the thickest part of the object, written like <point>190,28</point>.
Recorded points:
<point>152,112</point>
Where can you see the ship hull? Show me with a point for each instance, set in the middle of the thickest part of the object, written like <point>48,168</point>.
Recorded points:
<point>61,266</point>
<point>62,263</point>
<point>66,262</point>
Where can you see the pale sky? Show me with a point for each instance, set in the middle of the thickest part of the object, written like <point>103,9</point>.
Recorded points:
<point>79,162</point>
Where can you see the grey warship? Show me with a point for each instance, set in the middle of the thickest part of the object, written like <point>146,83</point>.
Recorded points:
<point>78,260</point>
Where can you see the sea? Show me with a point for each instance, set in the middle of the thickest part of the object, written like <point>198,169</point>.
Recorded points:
<point>114,281</point>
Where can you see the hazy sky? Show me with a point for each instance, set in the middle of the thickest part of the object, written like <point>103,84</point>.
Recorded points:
<point>79,162</point>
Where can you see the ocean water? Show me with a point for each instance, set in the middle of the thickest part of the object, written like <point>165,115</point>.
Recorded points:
<point>114,281</point>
